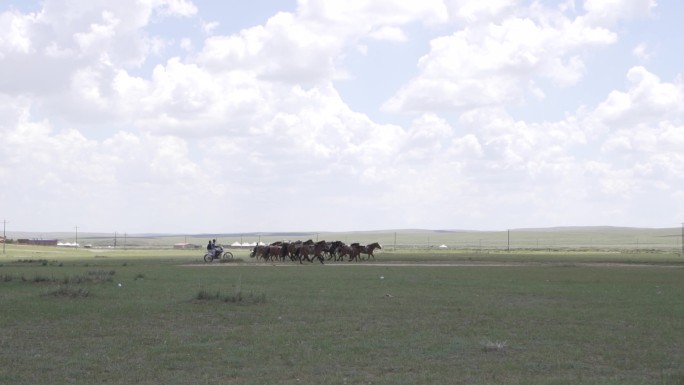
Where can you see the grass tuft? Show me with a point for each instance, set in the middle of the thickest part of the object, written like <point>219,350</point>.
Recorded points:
<point>237,297</point>
<point>672,379</point>
<point>101,275</point>
<point>204,295</point>
<point>97,276</point>
<point>494,346</point>
<point>249,299</point>
<point>69,292</point>
<point>231,260</point>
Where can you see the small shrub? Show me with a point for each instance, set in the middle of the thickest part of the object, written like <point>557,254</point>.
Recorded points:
<point>237,297</point>
<point>139,276</point>
<point>98,276</point>
<point>42,279</point>
<point>251,298</point>
<point>494,346</point>
<point>204,295</point>
<point>74,279</point>
<point>68,292</point>
<point>43,262</point>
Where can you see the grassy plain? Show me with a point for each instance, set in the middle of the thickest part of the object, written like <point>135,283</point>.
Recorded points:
<point>548,240</point>
<point>487,318</point>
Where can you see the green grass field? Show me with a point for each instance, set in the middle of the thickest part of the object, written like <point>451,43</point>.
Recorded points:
<point>488,318</point>
<point>604,239</point>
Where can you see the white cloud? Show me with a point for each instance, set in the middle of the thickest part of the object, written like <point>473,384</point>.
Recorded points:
<point>492,65</point>
<point>389,34</point>
<point>642,51</point>
<point>209,27</point>
<point>380,12</point>
<point>610,11</point>
<point>647,100</point>
<point>182,8</point>
<point>474,11</point>
<point>253,121</point>
<point>16,33</point>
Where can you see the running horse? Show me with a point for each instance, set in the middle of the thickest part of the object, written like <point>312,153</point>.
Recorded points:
<point>348,250</point>
<point>314,250</point>
<point>259,251</point>
<point>368,250</point>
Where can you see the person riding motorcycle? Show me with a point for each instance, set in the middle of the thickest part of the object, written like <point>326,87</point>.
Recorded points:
<point>215,250</point>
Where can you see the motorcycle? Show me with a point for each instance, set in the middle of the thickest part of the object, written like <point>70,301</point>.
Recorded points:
<point>217,253</point>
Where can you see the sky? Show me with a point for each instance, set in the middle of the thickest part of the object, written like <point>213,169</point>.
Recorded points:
<point>184,116</point>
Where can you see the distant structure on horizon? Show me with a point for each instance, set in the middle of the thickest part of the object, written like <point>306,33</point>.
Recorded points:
<point>37,242</point>
<point>184,245</point>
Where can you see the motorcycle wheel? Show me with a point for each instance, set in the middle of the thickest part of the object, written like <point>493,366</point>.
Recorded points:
<point>227,255</point>
<point>208,257</point>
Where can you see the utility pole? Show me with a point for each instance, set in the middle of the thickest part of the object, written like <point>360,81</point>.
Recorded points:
<point>4,237</point>
<point>76,236</point>
<point>508,247</point>
<point>115,239</point>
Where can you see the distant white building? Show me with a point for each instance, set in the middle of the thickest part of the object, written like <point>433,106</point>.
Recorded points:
<point>67,244</point>
<point>185,245</point>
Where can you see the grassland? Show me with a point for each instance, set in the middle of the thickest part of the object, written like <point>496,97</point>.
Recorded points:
<point>153,316</point>
<point>548,240</point>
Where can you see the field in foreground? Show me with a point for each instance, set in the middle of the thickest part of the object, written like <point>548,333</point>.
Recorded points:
<point>84,318</point>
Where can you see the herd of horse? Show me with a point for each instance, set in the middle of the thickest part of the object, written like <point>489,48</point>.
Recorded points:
<point>311,251</point>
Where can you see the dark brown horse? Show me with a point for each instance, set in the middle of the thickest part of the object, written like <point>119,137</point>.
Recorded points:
<point>314,250</point>
<point>333,249</point>
<point>273,252</point>
<point>360,249</point>
<point>346,250</point>
<point>259,251</point>
<point>368,250</point>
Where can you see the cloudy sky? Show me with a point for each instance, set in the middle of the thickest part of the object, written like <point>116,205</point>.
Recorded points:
<point>292,115</point>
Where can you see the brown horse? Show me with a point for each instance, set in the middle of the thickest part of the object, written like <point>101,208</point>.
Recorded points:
<point>273,253</point>
<point>315,250</point>
<point>360,249</point>
<point>368,250</point>
<point>347,250</point>
<point>259,251</point>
